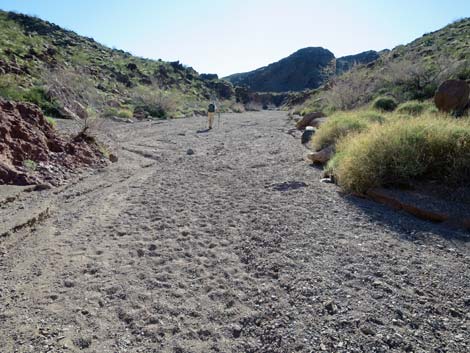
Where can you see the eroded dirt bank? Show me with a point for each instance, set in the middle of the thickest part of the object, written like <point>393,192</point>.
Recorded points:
<point>235,248</point>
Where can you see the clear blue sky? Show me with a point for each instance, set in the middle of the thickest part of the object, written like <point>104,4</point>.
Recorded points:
<point>228,36</point>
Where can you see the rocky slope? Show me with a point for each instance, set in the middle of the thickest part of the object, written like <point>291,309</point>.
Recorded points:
<point>36,55</point>
<point>407,72</point>
<point>306,68</point>
<point>32,152</point>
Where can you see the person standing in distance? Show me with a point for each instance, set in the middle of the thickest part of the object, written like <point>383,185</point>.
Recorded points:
<point>210,114</point>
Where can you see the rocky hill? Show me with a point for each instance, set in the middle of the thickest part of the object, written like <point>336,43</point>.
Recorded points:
<point>305,69</point>
<point>407,72</point>
<point>346,63</point>
<point>67,74</point>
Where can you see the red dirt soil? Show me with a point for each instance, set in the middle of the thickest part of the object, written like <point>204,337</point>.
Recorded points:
<point>25,135</point>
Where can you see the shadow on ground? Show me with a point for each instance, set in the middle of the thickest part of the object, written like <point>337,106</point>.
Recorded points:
<point>409,227</point>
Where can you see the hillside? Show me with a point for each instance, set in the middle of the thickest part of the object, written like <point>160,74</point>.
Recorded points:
<point>64,72</point>
<point>307,68</point>
<point>407,72</point>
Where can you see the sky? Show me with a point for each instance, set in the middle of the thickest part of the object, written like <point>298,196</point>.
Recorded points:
<point>230,36</point>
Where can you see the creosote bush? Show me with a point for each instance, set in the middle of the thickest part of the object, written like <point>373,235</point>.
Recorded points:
<point>385,104</point>
<point>343,123</point>
<point>429,147</point>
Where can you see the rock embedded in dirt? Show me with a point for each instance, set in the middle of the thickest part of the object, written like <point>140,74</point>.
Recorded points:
<point>307,135</point>
<point>31,150</point>
<point>190,152</point>
<point>113,158</point>
<point>322,156</point>
<point>68,283</point>
<point>331,308</point>
<point>452,96</point>
<point>308,119</point>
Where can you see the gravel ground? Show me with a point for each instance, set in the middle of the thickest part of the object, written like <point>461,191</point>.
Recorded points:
<point>236,247</point>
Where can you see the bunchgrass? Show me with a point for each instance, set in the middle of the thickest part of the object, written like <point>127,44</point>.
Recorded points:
<point>384,104</point>
<point>415,108</point>
<point>343,123</point>
<point>429,147</point>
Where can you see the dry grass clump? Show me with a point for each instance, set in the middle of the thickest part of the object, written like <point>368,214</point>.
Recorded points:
<point>343,123</point>
<point>416,108</point>
<point>429,147</point>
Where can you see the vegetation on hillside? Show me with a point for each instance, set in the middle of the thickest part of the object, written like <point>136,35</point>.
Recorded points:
<point>63,73</point>
<point>408,72</point>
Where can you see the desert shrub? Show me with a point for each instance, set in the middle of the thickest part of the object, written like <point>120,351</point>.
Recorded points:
<point>155,102</point>
<point>73,89</point>
<point>414,108</point>
<point>30,165</point>
<point>38,96</point>
<point>384,103</point>
<point>119,112</point>
<point>351,89</point>
<point>237,108</point>
<point>428,147</point>
<point>343,123</point>
<point>51,121</point>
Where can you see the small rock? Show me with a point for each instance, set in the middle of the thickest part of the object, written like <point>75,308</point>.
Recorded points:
<point>68,283</point>
<point>367,330</point>
<point>82,342</point>
<point>113,158</point>
<point>189,152</point>
<point>41,187</point>
<point>236,331</point>
<point>331,307</point>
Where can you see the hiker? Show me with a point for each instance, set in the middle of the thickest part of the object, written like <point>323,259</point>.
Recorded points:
<point>210,114</point>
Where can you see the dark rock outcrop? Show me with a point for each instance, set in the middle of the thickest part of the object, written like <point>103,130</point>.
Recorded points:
<point>306,68</point>
<point>346,63</point>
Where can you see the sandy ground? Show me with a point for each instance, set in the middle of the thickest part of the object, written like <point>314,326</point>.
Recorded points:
<point>235,248</point>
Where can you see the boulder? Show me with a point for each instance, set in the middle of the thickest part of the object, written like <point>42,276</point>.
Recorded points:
<point>308,119</point>
<point>322,156</point>
<point>452,96</point>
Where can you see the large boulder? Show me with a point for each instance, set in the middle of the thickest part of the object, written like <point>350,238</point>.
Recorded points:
<point>452,96</point>
<point>308,120</point>
<point>28,141</point>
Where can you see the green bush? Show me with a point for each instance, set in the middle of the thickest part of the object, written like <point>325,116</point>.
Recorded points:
<point>429,147</point>
<point>51,121</point>
<point>342,124</point>
<point>38,96</point>
<point>414,108</point>
<point>123,113</point>
<point>384,103</point>
<point>30,165</point>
